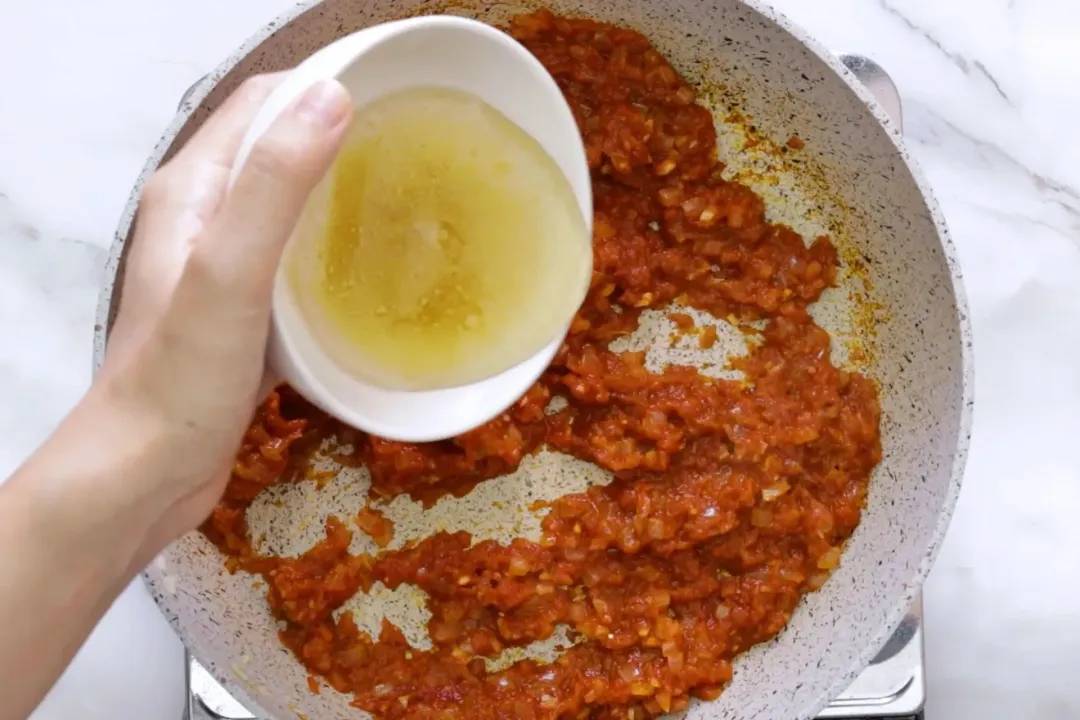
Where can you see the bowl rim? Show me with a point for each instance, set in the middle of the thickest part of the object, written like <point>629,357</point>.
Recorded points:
<point>293,350</point>
<point>913,587</point>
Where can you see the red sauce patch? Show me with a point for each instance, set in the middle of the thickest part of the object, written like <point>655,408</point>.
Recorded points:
<point>375,525</point>
<point>708,338</point>
<point>682,320</point>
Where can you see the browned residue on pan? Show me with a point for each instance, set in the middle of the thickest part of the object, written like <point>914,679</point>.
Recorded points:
<point>777,168</point>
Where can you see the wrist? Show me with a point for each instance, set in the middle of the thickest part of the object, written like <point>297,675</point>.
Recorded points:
<point>90,492</point>
<point>131,463</point>
<point>75,534</point>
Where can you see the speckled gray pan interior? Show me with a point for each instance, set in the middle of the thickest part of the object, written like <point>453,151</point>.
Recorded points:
<point>898,315</point>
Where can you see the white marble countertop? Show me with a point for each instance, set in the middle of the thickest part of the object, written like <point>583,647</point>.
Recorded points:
<point>989,87</point>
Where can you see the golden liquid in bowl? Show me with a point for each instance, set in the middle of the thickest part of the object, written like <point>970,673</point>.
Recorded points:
<point>452,246</point>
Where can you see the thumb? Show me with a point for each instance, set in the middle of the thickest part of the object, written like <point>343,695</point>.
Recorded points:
<point>264,205</point>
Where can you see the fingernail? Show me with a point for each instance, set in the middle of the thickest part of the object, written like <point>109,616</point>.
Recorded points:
<point>325,103</point>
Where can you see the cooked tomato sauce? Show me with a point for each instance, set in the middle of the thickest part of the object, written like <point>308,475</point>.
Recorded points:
<point>731,499</point>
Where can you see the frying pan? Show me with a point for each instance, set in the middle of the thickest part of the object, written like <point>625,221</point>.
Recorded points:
<point>897,315</point>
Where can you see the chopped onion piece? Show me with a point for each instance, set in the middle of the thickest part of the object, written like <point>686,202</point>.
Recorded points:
<point>830,560</point>
<point>774,491</point>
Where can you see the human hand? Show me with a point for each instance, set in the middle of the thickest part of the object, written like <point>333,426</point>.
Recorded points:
<point>147,452</point>
<point>185,360</point>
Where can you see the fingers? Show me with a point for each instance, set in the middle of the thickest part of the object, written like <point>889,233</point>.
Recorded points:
<point>185,193</point>
<point>246,238</point>
<point>196,307</point>
<point>218,140</point>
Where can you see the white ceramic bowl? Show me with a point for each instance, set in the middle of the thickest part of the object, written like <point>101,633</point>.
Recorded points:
<point>441,51</point>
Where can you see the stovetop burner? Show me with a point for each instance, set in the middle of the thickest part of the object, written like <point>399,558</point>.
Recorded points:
<point>893,687</point>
